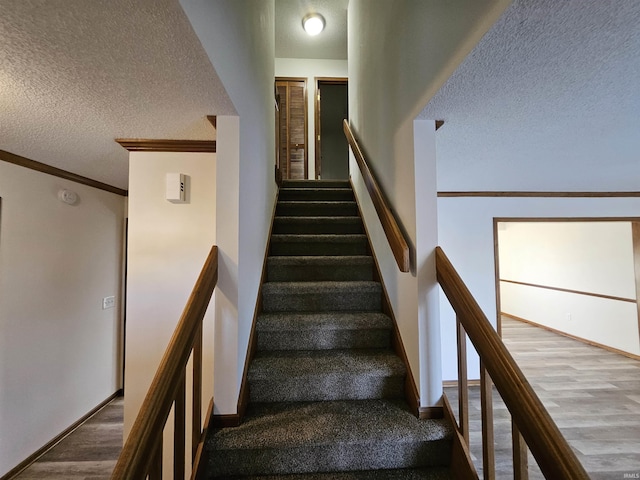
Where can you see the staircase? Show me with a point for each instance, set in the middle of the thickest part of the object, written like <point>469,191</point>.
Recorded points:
<point>326,388</point>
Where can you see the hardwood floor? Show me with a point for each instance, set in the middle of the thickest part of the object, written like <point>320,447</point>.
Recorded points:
<point>593,395</point>
<point>89,453</point>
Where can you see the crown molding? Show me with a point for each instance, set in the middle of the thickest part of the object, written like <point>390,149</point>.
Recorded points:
<point>58,172</point>
<point>541,194</point>
<point>150,145</point>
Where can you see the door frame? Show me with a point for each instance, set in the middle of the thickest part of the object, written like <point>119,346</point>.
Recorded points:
<point>306,124</point>
<point>316,120</point>
<point>635,233</point>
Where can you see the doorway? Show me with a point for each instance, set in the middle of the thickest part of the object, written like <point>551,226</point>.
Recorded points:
<point>574,276</point>
<point>331,148</point>
<point>292,128</point>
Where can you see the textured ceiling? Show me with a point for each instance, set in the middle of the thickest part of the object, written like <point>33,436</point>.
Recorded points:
<point>293,42</point>
<point>548,100</point>
<point>75,74</point>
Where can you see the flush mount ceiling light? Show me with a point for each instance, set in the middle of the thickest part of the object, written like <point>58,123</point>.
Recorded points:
<point>313,24</point>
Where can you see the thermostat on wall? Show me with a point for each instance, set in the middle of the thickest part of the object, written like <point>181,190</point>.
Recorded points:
<point>175,192</point>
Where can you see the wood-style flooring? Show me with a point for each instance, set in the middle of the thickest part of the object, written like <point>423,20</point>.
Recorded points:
<point>592,394</point>
<point>89,453</point>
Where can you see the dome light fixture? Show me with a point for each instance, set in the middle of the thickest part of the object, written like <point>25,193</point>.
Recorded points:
<point>313,24</point>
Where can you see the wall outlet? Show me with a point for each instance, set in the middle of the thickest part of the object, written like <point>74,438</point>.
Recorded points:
<point>108,302</point>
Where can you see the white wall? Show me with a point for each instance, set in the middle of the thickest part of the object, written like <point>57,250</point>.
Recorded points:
<point>168,245</point>
<point>239,38</point>
<point>589,257</point>
<point>309,69</point>
<point>59,350</point>
<point>465,231</point>
<point>400,53</point>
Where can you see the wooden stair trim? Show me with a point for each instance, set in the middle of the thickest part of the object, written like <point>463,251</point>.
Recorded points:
<point>410,388</point>
<point>198,467</point>
<point>234,420</point>
<point>461,462</point>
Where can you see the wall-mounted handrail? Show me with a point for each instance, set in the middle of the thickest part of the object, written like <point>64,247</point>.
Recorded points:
<point>555,457</point>
<point>398,243</point>
<point>142,452</point>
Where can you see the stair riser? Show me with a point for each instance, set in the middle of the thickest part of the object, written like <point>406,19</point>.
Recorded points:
<point>327,458</point>
<point>323,339</point>
<point>322,302</point>
<point>305,247</point>
<point>426,473</point>
<point>325,388</point>
<point>282,226</point>
<point>310,209</point>
<point>315,184</point>
<point>323,195</point>
<point>307,273</point>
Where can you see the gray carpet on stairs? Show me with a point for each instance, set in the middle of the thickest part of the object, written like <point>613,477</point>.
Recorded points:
<point>326,388</point>
<point>323,331</point>
<point>333,436</point>
<point>432,473</point>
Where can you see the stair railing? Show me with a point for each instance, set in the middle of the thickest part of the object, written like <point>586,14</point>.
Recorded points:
<point>532,425</point>
<point>395,237</point>
<point>530,419</point>
<point>141,456</point>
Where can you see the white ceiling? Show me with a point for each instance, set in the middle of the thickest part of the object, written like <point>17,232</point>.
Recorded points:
<point>75,74</point>
<point>548,100</point>
<point>293,42</point>
<point>552,85</point>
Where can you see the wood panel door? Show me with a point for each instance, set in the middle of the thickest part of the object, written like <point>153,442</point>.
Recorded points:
<point>292,134</point>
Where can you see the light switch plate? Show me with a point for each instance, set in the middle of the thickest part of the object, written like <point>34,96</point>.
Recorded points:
<point>108,302</point>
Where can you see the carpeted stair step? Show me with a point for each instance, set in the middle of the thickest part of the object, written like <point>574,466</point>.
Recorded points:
<point>317,194</point>
<point>296,438</point>
<point>315,184</point>
<point>319,268</point>
<point>317,208</point>
<point>322,331</point>
<point>311,225</point>
<point>427,473</point>
<point>318,245</point>
<point>321,296</point>
<point>321,375</point>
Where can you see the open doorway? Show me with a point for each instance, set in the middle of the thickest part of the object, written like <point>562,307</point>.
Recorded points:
<point>331,148</point>
<point>578,277</point>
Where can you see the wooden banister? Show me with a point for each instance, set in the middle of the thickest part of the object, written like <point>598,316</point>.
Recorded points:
<point>554,456</point>
<point>144,444</point>
<point>397,242</point>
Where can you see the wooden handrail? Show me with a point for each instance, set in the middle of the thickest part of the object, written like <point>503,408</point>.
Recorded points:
<point>141,446</point>
<point>397,241</point>
<point>554,456</point>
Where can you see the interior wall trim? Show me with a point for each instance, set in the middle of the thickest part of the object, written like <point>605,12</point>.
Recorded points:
<point>14,472</point>
<point>58,172</point>
<point>151,145</point>
<point>568,290</point>
<point>540,194</point>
